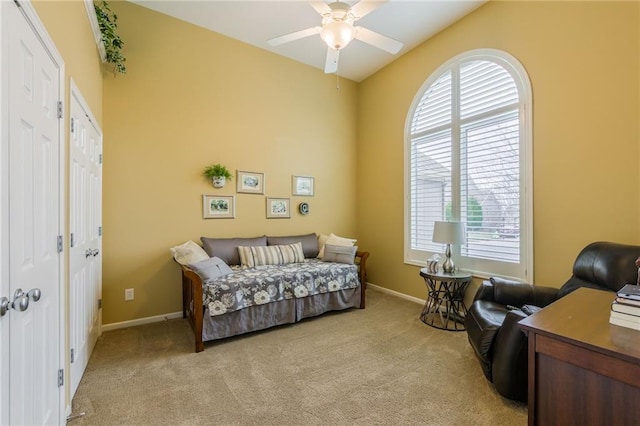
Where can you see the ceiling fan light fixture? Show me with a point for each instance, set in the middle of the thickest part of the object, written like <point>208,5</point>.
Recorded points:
<point>337,29</point>
<point>337,34</point>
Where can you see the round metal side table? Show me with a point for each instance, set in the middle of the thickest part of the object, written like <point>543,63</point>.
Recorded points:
<point>445,308</point>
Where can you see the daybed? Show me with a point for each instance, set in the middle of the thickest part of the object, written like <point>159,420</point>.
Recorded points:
<point>253,294</point>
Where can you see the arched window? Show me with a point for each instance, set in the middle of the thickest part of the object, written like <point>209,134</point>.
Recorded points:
<point>468,159</point>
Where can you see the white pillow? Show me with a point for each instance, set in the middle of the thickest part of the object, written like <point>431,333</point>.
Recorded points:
<point>334,240</point>
<point>322,240</point>
<point>188,252</point>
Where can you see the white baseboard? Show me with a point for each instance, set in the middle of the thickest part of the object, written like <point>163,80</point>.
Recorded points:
<point>397,294</point>
<point>141,321</point>
<point>174,315</point>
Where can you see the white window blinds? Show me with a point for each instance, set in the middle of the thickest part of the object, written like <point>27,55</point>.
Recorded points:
<point>465,162</point>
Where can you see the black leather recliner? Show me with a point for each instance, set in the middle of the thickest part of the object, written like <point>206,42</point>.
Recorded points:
<point>492,321</point>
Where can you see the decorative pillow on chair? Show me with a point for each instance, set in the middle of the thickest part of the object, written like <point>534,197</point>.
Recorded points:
<point>188,252</point>
<point>339,254</point>
<point>270,255</point>
<point>211,268</point>
<point>334,240</point>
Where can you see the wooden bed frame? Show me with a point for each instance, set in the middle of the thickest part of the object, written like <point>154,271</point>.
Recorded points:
<point>193,309</point>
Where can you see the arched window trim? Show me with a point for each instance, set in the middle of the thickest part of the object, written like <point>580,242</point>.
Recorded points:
<point>521,79</point>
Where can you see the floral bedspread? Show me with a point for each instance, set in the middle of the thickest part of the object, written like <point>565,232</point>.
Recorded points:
<point>272,283</point>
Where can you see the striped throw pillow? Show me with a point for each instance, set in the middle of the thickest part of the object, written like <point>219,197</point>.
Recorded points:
<point>270,255</point>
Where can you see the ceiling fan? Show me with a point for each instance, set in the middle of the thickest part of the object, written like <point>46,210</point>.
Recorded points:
<point>337,30</point>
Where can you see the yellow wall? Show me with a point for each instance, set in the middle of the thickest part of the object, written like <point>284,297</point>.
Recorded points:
<point>190,98</point>
<point>583,62</point>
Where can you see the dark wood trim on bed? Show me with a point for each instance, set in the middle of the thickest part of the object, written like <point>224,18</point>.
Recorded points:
<point>192,291</point>
<point>193,310</point>
<point>361,259</point>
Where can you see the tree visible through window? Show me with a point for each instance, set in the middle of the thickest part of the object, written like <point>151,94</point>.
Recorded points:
<point>468,146</point>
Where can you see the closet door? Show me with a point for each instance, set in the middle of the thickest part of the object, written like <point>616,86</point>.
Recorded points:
<point>31,225</point>
<point>85,227</point>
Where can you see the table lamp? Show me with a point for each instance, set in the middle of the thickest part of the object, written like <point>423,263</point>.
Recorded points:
<point>448,233</point>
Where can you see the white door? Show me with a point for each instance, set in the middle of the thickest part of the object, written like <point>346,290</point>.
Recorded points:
<point>31,212</point>
<point>85,257</point>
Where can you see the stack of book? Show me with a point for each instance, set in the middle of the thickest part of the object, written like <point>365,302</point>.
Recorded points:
<point>625,309</point>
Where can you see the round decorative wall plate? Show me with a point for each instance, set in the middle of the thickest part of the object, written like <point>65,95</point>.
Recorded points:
<point>303,208</point>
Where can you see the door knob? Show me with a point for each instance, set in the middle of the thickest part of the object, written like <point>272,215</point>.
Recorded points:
<point>88,253</point>
<point>20,301</point>
<point>96,252</point>
<point>4,306</point>
<point>34,294</point>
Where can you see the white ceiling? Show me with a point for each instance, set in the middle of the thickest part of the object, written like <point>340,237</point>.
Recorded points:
<point>254,22</point>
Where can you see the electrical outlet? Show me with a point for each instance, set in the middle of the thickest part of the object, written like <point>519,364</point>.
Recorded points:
<point>128,294</point>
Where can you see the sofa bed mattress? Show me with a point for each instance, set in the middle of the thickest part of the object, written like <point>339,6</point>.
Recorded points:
<point>260,285</point>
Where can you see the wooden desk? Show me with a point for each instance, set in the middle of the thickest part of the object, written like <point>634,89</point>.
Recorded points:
<point>582,370</point>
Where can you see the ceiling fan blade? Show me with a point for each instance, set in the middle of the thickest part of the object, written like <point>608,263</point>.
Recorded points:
<point>363,7</point>
<point>378,40</point>
<point>331,65</point>
<point>277,41</point>
<point>321,7</point>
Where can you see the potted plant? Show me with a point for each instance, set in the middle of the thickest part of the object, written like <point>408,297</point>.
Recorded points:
<point>218,174</point>
<point>112,42</point>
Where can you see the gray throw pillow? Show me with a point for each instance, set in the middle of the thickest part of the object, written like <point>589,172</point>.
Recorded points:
<point>227,248</point>
<point>309,243</point>
<point>339,254</point>
<point>211,268</point>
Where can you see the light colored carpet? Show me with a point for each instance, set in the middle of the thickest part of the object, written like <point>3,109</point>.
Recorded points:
<point>378,366</point>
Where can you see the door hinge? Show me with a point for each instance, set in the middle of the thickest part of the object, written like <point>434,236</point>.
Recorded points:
<point>72,356</point>
<point>71,240</point>
<point>99,303</point>
<point>99,231</point>
<point>60,378</point>
<point>59,243</point>
<point>73,125</point>
<point>59,109</point>
<point>100,159</point>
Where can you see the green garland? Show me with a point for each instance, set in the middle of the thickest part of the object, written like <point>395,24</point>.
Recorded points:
<point>112,41</point>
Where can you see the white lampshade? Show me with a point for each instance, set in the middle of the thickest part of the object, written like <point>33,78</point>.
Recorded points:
<point>337,34</point>
<point>448,233</point>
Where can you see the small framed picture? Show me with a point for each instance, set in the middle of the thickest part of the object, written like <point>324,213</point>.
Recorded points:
<point>250,182</point>
<point>302,185</point>
<point>278,208</point>
<point>218,206</point>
